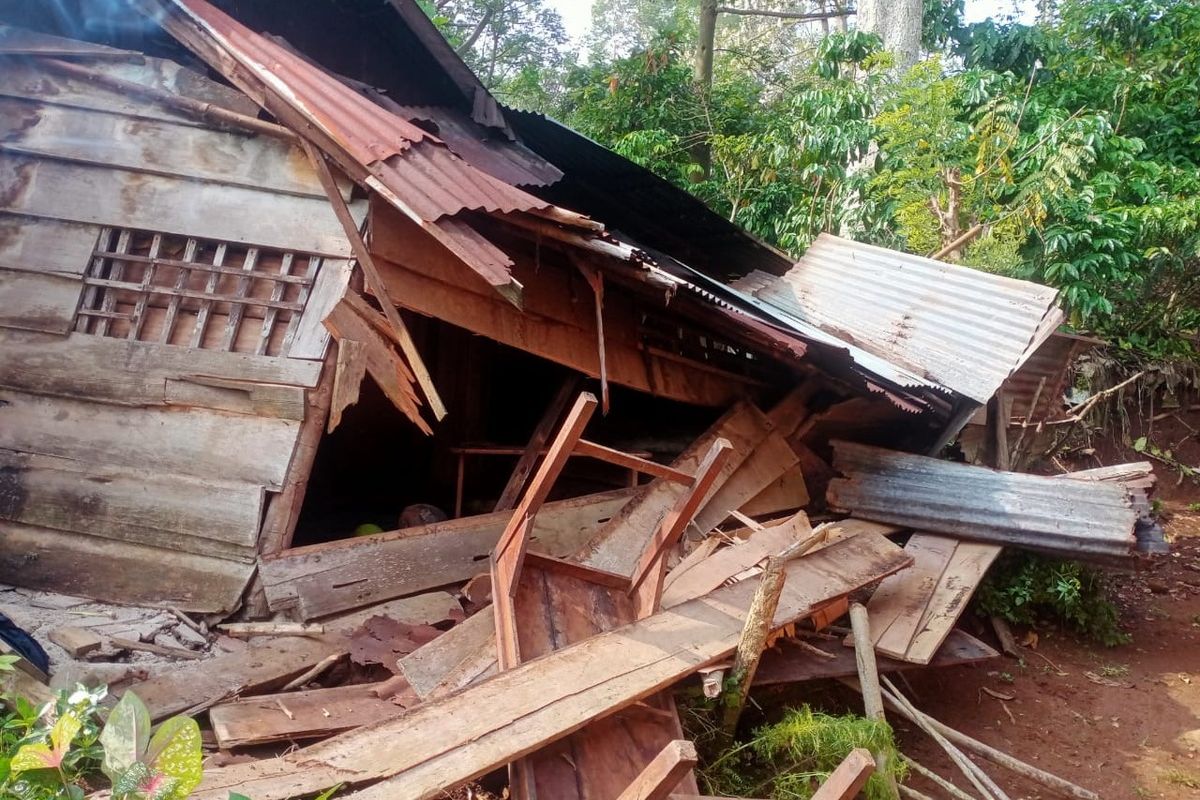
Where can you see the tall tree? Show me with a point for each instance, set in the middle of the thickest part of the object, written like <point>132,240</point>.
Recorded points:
<point>898,24</point>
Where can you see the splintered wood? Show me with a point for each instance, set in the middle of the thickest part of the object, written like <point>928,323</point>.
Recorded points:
<point>520,710</point>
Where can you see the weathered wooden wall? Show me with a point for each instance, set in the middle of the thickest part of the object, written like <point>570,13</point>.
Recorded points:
<point>141,470</point>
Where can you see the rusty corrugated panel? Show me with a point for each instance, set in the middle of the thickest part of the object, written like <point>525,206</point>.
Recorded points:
<point>1065,517</point>
<point>497,155</point>
<point>1051,362</point>
<point>413,163</point>
<point>961,328</point>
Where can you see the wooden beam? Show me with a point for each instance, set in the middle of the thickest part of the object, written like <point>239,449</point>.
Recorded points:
<point>576,570</point>
<point>663,773</point>
<point>621,459</point>
<point>374,281</point>
<point>652,564</point>
<point>849,777</point>
<point>509,554</point>
<point>537,441</point>
<point>523,709</point>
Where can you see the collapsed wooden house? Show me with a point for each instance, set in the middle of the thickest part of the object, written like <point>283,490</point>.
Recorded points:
<point>271,279</point>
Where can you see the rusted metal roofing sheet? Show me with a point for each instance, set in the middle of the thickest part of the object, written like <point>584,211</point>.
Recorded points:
<point>1047,367</point>
<point>21,41</point>
<point>1067,517</point>
<point>412,162</point>
<point>961,328</point>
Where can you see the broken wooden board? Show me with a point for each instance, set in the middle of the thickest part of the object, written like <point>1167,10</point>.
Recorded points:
<point>555,610</point>
<point>521,710</point>
<point>337,576</point>
<point>729,561</point>
<point>788,492</point>
<point>913,612</point>
<point>788,663</point>
<point>271,662</point>
<point>460,656</point>
<point>296,716</point>
<point>78,642</point>
<point>618,544</point>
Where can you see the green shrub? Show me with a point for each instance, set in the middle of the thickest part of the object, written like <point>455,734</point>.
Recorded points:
<point>789,759</point>
<point>1024,587</point>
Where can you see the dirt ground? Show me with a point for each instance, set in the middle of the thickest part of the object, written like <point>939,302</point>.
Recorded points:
<point>1123,722</point>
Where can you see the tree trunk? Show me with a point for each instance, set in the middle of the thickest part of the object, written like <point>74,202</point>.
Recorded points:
<point>702,75</point>
<point>898,23</point>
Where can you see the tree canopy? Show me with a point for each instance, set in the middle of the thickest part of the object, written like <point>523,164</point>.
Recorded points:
<point>1065,151</point>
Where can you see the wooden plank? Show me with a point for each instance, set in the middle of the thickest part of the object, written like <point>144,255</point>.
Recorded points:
<point>467,651</point>
<point>423,276</point>
<point>296,716</point>
<point>617,546</point>
<point>101,195</point>
<point>642,465</point>
<point>733,560</point>
<point>31,80</point>
<point>311,336</point>
<point>78,642</point>
<point>576,570</point>
<point>271,661</point>
<point>199,443</point>
<point>129,373</point>
<point>242,397</point>
<point>537,442</point>
<point>788,663</point>
<point>108,137</point>
<point>336,576</point>
<point>651,567</point>
<point>954,590</point>
<point>390,372</point>
<point>348,376</point>
<point>771,459</point>
<point>38,301</point>
<point>208,517</point>
<point>118,572</point>
<point>849,777</point>
<point>509,553</point>
<point>542,701</point>
<point>899,603</point>
<point>788,492</point>
<point>56,247</point>
<point>663,773</point>
<point>351,227</point>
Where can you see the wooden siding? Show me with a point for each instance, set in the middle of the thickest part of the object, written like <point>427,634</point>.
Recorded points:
<point>139,471</point>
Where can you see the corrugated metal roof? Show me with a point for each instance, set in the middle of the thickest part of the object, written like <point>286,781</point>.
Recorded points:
<point>21,41</point>
<point>1031,511</point>
<point>412,162</point>
<point>961,328</point>
<point>1048,367</point>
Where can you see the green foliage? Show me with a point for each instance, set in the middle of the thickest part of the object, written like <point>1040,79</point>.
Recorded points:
<point>790,759</point>
<point>1073,144</point>
<point>59,749</point>
<point>1024,587</point>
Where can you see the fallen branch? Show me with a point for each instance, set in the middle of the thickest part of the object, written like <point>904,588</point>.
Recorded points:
<point>316,670</point>
<point>948,787</point>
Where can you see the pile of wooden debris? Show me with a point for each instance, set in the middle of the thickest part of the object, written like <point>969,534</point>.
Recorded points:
<point>568,623</point>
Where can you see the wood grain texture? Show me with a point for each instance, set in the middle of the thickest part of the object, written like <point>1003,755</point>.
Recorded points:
<point>542,701</point>
<point>122,372</point>
<point>55,247</point>
<point>116,139</point>
<point>311,714</point>
<point>663,773</point>
<point>101,195</point>
<point>207,517</point>
<point>311,336</point>
<point>193,442</point>
<point>954,590</point>
<point>849,777</point>
<point>337,576</point>
<point>38,301</point>
<point>765,465</point>
<point>240,397</point>
<point>270,662</point>
<point>115,571</point>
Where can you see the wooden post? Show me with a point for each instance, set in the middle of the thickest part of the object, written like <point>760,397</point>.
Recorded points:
<point>868,677</point>
<point>663,773</point>
<point>848,779</point>
<point>750,647</point>
<point>374,281</point>
<point>537,441</point>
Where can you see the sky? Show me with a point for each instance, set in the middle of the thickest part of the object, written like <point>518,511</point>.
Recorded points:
<point>577,14</point>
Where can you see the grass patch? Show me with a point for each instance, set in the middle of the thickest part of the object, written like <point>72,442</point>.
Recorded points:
<point>1178,777</point>
<point>1113,671</point>
<point>789,759</point>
